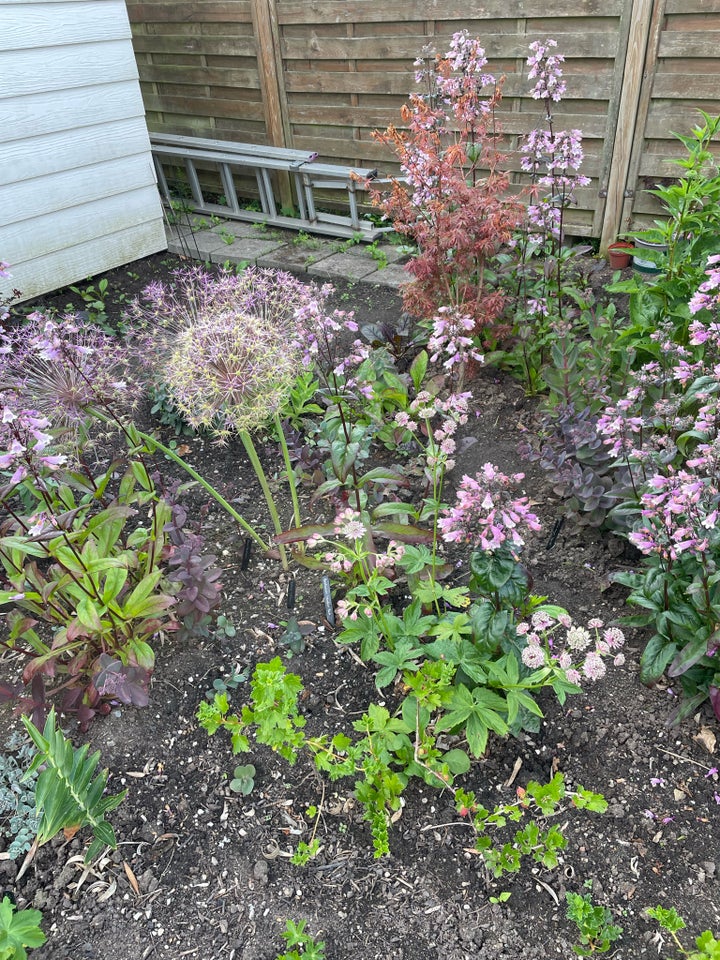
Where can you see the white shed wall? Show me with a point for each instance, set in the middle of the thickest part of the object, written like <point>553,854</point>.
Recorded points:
<point>77,183</point>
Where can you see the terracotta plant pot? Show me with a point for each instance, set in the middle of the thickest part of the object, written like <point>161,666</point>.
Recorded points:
<point>620,254</point>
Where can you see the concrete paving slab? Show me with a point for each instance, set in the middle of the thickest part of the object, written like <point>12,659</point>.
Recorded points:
<point>243,250</point>
<point>238,228</point>
<point>293,257</point>
<point>344,265</point>
<point>391,252</point>
<point>207,241</point>
<point>394,276</point>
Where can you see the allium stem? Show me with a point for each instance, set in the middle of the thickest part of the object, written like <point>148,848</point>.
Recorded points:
<point>269,499</point>
<point>289,470</point>
<point>156,444</point>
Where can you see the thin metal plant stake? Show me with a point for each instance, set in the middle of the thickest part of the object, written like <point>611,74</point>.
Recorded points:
<point>555,533</point>
<point>327,599</point>
<point>247,551</point>
<point>290,599</point>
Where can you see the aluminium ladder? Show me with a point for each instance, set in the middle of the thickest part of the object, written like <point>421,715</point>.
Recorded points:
<point>306,174</point>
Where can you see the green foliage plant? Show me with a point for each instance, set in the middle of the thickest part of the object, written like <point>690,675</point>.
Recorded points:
<point>301,945</point>
<point>18,821</point>
<point>708,948</point>
<point>686,235</point>
<point>73,559</point>
<point>94,298</point>
<point>18,929</point>
<point>596,930</point>
<point>243,780</point>
<point>386,750</point>
<point>66,795</point>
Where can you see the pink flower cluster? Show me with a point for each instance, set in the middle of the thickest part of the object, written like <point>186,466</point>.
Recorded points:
<point>544,67</point>
<point>486,514</point>
<point>580,653</point>
<point>449,339</point>
<point>25,443</point>
<point>679,509</point>
<point>552,157</point>
<point>440,444</point>
<point>707,296</point>
<point>463,90</point>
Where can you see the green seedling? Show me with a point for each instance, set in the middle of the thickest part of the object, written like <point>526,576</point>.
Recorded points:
<point>18,929</point>
<point>596,930</point>
<point>243,779</point>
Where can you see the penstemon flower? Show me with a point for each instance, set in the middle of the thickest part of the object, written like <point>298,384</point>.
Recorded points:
<point>26,445</point>
<point>486,514</point>
<point>707,296</point>
<point>544,67</point>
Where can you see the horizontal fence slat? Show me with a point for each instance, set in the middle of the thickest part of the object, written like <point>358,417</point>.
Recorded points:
<point>695,44</point>
<point>599,45</point>
<point>206,12</point>
<point>359,11</point>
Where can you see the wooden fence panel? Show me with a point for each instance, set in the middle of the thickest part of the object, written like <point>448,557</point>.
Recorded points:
<point>321,75</point>
<point>684,79</point>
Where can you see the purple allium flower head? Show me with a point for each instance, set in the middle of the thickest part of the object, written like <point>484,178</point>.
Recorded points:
<point>229,347</point>
<point>64,365</point>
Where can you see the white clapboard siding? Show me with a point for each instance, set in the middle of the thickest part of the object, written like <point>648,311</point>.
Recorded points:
<point>77,184</point>
<point>83,260</point>
<point>47,234</point>
<point>101,142</point>
<point>72,188</point>
<point>33,25</point>
<point>102,102</point>
<point>62,68</point>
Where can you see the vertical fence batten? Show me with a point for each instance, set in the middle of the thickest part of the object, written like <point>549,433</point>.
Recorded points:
<point>320,75</point>
<point>644,102</point>
<point>626,119</point>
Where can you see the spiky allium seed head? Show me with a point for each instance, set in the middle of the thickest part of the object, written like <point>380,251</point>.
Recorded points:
<point>62,365</point>
<point>228,347</point>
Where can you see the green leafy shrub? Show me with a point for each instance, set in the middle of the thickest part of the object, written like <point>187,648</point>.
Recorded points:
<point>18,929</point>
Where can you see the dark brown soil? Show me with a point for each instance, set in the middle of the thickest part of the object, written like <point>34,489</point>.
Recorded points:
<point>203,872</point>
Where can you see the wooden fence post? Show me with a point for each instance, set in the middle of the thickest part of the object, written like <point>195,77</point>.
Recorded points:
<point>272,87</point>
<point>640,26</point>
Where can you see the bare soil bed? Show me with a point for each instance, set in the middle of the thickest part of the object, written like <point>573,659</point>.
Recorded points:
<point>203,872</point>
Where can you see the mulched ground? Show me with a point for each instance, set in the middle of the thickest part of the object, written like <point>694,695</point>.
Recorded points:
<point>203,872</point>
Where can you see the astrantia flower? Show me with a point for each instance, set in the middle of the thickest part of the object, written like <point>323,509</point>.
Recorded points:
<point>349,524</point>
<point>533,657</point>
<point>231,348</point>
<point>593,666</point>
<point>578,638</point>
